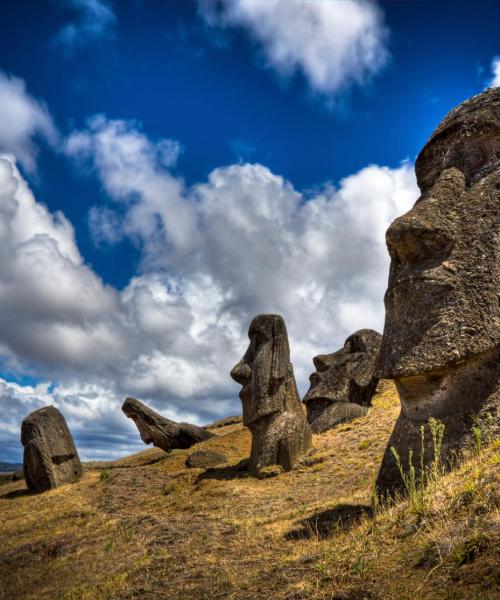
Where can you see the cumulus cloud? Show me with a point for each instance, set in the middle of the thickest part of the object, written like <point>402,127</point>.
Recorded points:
<point>215,254</point>
<point>495,70</point>
<point>94,20</point>
<point>22,119</point>
<point>334,45</point>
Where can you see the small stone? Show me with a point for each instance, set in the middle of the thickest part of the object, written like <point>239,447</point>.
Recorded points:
<point>203,459</point>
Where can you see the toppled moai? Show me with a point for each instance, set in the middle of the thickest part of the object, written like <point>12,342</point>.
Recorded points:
<point>50,456</point>
<point>160,431</point>
<point>441,341</point>
<point>271,405</point>
<point>344,382</point>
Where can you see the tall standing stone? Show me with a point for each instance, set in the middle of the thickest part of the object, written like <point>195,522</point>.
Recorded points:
<point>441,341</point>
<point>344,382</point>
<point>271,405</point>
<point>50,456</point>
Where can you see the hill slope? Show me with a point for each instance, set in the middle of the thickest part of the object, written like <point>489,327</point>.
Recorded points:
<point>146,527</point>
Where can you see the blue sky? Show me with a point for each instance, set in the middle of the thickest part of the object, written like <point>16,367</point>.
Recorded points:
<point>212,161</point>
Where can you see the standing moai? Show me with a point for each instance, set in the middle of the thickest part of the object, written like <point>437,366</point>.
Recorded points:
<point>271,405</point>
<point>344,382</point>
<point>441,341</point>
<point>50,456</point>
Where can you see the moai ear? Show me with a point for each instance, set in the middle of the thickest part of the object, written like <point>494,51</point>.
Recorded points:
<point>281,352</point>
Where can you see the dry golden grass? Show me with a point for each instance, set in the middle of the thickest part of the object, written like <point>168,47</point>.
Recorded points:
<point>147,527</point>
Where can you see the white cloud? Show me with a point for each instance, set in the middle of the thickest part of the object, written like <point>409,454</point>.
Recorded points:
<point>495,70</point>
<point>94,19</point>
<point>215,254</point>
<point>333,44</point>
<point>22,118</point>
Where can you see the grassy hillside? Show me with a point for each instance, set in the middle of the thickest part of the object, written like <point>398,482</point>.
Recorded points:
<point>146,527</point>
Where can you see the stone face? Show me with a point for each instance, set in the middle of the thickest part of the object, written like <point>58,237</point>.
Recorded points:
<point>271,405</point>
<point>344,382</point>
<point>203,459</point>
<point>442,330</point>
<point>50,456</point>
<point>160,431</point>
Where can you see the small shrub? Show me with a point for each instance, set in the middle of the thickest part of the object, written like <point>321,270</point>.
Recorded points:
<point>104,474</point>
<point>415,485</point>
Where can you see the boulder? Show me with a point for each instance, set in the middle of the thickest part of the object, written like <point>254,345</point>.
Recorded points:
<point>203,459</point>
<point>344,382</point>
<point>441,341</point>
<point>271,405</point>
<point>50,456</point>
<point>160,431</point>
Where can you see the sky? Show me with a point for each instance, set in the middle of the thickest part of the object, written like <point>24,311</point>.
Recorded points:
<point>168,170</point>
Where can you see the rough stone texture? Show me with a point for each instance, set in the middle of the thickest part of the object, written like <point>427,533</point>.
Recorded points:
<point>160,431</point>
<point>203,459</point>
<point>441,339</point>
<point>344,382</point>
<point>271,405</point>
<point>50,456</point>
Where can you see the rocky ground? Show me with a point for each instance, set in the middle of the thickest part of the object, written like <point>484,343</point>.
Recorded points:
<point>148,527</point>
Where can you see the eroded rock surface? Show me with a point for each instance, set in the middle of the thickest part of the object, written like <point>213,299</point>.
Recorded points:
<point>50,456</point>
<point>441,341</point>
<point>271,405</point>
<point>344,382</point>
<point>160,431</point>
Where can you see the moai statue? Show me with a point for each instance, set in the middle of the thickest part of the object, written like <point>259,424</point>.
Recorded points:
<point>50,456</point>
<point>441,341</point>
<point>271,405</point>
<point>344,382</point>
<point>160,431</point>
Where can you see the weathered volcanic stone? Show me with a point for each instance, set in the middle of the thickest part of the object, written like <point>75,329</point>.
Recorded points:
<point>344,382</point>
<point>160,431</point>
<point>441,341</point>
<point>271,405</point>
<point>50,456</point>
<point>203,459</point>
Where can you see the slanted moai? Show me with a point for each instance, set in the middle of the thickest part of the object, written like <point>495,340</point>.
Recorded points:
<point>160,431</point>
<point>50,456</point>
<point>344,382</point>
<point>271,405</point>
<point>441,341</point>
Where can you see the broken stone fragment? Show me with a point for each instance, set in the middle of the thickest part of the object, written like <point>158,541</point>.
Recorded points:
<point>160,431</point>
<point>50,456</point>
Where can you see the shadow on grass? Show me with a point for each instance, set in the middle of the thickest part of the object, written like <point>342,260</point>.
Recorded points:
<point>15,494</point>
<point>237,471</point>
<point>327,522</point>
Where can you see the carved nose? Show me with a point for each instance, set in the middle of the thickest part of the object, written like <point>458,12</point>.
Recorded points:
<point>320,362</point>
<point>241,373</point>
<point>411,239</point>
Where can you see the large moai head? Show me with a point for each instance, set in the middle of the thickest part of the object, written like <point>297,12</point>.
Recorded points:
<point>264,368</point>
<point>442,298</point>
<point>271,405</point>
<point>442,330</point>
<point>344,382</point>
